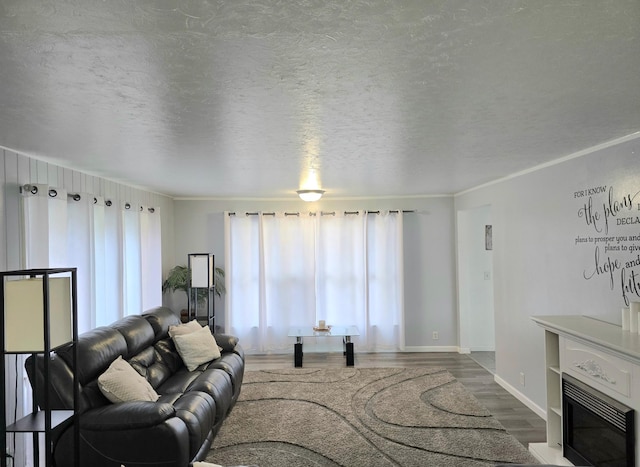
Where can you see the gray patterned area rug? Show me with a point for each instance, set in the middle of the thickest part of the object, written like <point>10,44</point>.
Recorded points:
<point>361,417</point>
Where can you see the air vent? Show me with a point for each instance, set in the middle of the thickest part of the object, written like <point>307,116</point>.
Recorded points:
<point>605,410</point>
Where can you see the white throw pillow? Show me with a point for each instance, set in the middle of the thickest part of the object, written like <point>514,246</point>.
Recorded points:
<point>186,328</point>
<point>197,348</point>
<point>122,383</point>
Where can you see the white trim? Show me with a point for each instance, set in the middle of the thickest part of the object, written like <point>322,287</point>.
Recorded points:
<point>410,349</point>
<point>539,411</point>
<point>464,350</point>
<point>431,348</point>
<point>327,198</point>
<point>64,165</point>
<point>582,152</point>
<point>548,455</point>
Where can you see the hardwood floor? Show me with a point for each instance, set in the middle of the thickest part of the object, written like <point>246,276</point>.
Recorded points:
<point>519,420</point>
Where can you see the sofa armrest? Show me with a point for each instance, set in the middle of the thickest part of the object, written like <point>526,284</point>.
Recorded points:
<point>127,416</point>
<point>238,350</point>
<point>226,341</point>
<point>130,433</point>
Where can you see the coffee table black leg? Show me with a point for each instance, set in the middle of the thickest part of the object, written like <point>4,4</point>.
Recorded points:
<point>297,352</point>
<point>348,348</point>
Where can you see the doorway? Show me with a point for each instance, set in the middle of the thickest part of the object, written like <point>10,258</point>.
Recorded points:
<point>475,285</point>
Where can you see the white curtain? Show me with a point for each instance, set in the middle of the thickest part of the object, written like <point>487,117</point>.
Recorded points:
<point>150,257</point>
<point>243,265</point>
<point>293,269</point>
<point>117,250</point>
<point>113,264</point>
<point>131,260</point>
<point>342,270</point>
<point>81,254</point>
<point>45,227</point>
<point>100,279</point>
<point>288,277</point>
<point>385,280</point>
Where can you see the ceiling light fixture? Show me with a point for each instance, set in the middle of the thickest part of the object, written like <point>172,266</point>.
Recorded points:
<point>310,195</point>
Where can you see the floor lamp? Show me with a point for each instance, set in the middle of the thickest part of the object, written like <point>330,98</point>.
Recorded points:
<point>38,315</point>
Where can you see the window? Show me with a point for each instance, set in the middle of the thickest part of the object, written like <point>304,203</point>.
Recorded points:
<point>292,269</point>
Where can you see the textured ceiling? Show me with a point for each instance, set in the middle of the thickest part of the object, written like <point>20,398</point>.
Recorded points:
<point>257,98</point>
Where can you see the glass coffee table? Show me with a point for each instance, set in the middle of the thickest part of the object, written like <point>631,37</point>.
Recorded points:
<point>300,332</point>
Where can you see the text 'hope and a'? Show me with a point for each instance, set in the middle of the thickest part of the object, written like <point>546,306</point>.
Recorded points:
<point>629,279</point>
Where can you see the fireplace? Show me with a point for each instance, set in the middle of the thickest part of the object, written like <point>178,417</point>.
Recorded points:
<point>597,430</point>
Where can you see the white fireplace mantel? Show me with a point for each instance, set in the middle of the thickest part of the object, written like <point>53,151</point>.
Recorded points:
<point>597,353</point>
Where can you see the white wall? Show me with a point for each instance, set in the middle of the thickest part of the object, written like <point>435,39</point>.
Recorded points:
<point>540,269</point>
<point>430,302</point>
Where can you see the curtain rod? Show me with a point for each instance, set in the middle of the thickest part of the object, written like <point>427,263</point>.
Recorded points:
<point>324,213</point>
<point>33,189</point>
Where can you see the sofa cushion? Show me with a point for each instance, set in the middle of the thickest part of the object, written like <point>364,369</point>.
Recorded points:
<point>167,354</point>
<point>217,384</point>
<point>233,365</point>
<point>178,382</point>
<point>134,414</point>
<point>214,382</point>
<point>96,350</point>
<point>137,332</point>
<point>160,318</point>
<point>149,364</point>
<point>197,410</point>
<point>196,348</point>
<point>121,383</point>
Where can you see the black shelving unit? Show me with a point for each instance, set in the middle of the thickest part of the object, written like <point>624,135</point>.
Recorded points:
<point>41,420</point>
<point>201,288</point>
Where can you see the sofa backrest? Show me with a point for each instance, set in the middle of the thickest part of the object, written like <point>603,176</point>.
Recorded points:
<point>161,318</point>
<point>158,362</point>
<point>142,340</point>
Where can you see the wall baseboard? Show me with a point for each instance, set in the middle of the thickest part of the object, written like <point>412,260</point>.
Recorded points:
<point>431,348</point>
<point>539,411</point>
<point>487,348</point>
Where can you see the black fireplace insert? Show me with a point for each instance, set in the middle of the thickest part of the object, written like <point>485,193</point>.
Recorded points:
<point>597,430</point>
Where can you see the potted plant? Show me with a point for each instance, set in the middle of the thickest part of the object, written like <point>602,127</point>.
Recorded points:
<point>178,279</point>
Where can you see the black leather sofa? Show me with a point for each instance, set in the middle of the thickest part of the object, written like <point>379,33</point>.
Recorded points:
<point>174,431</point>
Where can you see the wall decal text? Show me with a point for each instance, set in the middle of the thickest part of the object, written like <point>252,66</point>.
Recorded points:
<point>612,223</point>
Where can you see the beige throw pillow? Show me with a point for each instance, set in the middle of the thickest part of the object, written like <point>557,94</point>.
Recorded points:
<point>186,328</point>
<point>122,383</point>
<point>196,348</point>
